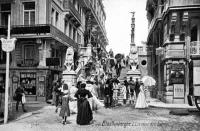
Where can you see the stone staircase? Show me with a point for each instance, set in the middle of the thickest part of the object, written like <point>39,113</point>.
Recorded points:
<point>121,78</point>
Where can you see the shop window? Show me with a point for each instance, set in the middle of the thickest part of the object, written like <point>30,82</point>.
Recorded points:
<point>29,82</point>
<point>29,13</point>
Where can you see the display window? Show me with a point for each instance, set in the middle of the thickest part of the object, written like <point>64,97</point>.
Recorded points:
<point>29,82</point>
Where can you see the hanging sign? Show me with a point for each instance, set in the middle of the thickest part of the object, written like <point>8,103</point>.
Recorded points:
<point>8,45</point>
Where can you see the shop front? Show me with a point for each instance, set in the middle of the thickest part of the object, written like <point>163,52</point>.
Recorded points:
<point>174,81</point>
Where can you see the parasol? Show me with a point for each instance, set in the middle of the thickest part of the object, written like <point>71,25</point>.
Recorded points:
<point>148,81</point>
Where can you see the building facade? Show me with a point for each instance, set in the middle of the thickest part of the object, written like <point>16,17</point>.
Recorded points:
<point>142,59</point>
<point>45,29</point>
<point>173,30</point>
<point>95,37</point>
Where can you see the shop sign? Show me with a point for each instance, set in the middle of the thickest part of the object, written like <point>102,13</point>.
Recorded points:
<point>177,74</point>
<point>195,48</point>
<point>178,90</point>
<point>8,45</point>
<point>175,54</point>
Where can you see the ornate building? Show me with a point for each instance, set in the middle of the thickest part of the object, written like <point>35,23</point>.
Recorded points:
<point>173,30</point>
<point>45,29</point>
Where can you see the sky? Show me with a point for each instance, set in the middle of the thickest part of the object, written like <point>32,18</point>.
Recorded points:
<point>118,23</point>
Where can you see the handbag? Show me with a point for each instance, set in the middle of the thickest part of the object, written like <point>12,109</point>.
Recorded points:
<point>23,99</point>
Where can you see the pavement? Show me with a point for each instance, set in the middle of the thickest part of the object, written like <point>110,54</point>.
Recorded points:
<point>153,102</point>
<point>42,117</point>
<point>35,107</point>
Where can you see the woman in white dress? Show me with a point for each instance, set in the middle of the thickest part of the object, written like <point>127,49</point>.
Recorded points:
<point>141,100</point>
<point>123,91</point>
<point>73,104</point>
<point>93,100</point>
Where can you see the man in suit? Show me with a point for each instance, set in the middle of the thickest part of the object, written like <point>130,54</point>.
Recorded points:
<point>137,87</point>
<point>118,68</point>
<point>109,91</point>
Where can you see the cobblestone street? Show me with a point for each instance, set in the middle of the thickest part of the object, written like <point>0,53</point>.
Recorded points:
<point>118,118</point>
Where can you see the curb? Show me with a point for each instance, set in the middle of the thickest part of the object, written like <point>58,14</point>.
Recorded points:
<point>171,107</point>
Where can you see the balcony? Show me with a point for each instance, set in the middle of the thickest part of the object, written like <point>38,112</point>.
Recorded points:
<point>72,13</point>
<point>181,3</point>
<point>98,22</point>
<point>157,16</point>
<point>21,31</point>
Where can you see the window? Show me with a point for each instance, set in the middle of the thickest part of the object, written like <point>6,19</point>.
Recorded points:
<point>66,23</point>
<point>5,12</point>
<point>29,52</point>
<point>29,13</point>
<point>194,33</point>
<point>57,17</point>
<point>2,56</point>
<point>74,34</point>
<point>52,16</point>
<point>78,38</point>
<point>70,30</point>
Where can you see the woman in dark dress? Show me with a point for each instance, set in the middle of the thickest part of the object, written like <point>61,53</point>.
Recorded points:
<point>84,115</point>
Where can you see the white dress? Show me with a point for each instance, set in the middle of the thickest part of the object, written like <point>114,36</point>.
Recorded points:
<point>141,100</point>
<point>123,90</point>
<point>93,100</point>
<point>73,104</point>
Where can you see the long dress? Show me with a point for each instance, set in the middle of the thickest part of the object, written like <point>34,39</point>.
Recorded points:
<point>93,100</point>
<point>123,90</point>
<point>141,100</point>
<point>84,115</point>
<point>65,111</point>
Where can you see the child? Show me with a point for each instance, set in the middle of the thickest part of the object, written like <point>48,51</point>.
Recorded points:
<point>65,111</point>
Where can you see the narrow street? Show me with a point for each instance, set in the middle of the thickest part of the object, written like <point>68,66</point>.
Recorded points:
<point>118,118</point>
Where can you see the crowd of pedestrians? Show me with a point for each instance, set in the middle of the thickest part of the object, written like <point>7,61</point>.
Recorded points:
<point>94,93</point>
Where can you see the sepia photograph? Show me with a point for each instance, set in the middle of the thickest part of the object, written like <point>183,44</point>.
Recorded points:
<point>99,65</point>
